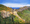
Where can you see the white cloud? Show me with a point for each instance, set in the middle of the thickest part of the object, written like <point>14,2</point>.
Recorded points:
<point>15,5</point>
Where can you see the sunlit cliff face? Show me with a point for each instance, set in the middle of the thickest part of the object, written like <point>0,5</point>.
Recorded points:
<point>5,14</point>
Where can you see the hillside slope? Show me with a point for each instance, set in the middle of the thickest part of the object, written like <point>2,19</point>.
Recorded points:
<point>25,14</point>
<point>2,7</point>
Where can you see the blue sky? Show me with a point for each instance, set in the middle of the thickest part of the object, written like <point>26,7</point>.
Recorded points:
<point>15,3</point>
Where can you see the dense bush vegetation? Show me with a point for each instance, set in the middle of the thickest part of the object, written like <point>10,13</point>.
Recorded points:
<point>25,15</point>
<point>10,20</point>
<point>7,20</point>
<point>29,9</point>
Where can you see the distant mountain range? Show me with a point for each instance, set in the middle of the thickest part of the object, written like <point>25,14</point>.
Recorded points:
<point>15,7</point>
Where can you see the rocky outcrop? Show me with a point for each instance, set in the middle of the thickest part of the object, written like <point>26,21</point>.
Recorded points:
<point>5,14</point>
